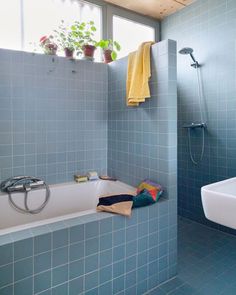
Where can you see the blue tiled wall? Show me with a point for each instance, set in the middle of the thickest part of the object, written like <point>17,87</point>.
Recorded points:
<point>142,141</point>
<point>53,116</point>
<point>97,254</point>
<point>209,27</point>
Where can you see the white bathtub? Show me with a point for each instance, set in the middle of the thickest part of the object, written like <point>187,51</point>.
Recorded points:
<point>67,200</point>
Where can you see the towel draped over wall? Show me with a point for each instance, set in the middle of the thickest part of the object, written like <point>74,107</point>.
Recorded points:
<point>138,75</point>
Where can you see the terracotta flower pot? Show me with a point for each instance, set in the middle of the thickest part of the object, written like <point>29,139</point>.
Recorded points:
<point>50,49</point>
<point>69,53</point>
<point>107,56</point>
<point>89,50</point>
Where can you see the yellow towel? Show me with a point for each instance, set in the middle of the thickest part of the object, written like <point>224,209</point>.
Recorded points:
<point>138,74</point>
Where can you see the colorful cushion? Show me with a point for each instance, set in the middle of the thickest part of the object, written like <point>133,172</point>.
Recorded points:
<point>120,204</point>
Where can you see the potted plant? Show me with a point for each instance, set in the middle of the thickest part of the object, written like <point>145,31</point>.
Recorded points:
<point>48,45</point>
<point>65,40</point>
<point>84,32</point>
<point>110,49</point>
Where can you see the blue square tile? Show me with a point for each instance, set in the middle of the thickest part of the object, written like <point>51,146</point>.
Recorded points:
<point>60,238</point>
<point>91,280</point>
<point>130,279</point>
<point>23,269</point>
<point>153,268</point>
<point>76,251</point>
<point>6,275</point>
<point>131,263</point>
<point>131,248</point>
<point>142,229</point>
<point>76,286</point>
<point>42,281</point>
<point>42,243</point>
<point>118,253</point>
<point>118,222</point>
<point>25,286</point>
<point>163,263</point>
<point>105,274</point>
<point>92,292</point>
<point>106,288</point>
<point>23,249</point>
<point>153,225</point>
<point>118,268</point>
<point>131,233</point>
<point>91,263</point>
<point>60,256</point>
<point>105,226</point>
<point>105,258</point>
<point>153,254</point>
<point>130,290</point>
<point>153,281</point>
<point>47,292</point>
<point>105,241</point>
<point>153,240</point>
<point>7,290</point>
<point>42,262</point>
<point>118,284</point>
<point>133,219</point>
<point>77,233</point>
<point>142,287</point>
<point>158,291</point>
<point>142,258</point>
<point>91,229</point>
<point>76,269</point>
<point>60,275</point>
<point>6,254</point>
<point>60,290</point>
<point>142,273</point>
<point>142,214</point>
<point>118,237</point>
<point>91,246</point>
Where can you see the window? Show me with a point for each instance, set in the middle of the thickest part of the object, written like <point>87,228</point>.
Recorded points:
<point>23,22</point>
<point>130,34</point>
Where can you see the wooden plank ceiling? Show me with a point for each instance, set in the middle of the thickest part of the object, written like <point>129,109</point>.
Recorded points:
<point>158,9</point>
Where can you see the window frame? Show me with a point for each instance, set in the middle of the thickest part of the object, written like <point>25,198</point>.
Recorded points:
<point>108,11</point>
<point>132,16</point>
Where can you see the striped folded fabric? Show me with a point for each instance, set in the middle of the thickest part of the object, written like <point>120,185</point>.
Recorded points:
<point>148,192</point>
<point>153,188</point>
<point>119,204</point>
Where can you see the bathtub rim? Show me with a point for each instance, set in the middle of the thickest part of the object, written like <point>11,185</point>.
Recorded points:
<point>19,232</point>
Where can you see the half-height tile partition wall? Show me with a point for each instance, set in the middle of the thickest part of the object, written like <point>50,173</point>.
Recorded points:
<point>53,116</point>
<point>142,141</point>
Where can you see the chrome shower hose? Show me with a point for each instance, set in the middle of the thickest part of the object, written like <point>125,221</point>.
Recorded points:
<point>26,208</point>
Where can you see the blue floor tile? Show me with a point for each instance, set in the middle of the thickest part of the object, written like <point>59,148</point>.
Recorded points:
<point>206,262</point>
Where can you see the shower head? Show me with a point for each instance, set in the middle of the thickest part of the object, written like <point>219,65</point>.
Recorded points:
<point>188,50</point>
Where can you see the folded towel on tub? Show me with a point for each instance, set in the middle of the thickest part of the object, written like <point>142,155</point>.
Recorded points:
<point>120,204</point>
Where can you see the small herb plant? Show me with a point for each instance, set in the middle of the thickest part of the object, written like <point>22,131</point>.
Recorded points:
<point>84,33</point>
<point>111,45</point>
<point>64,37</point>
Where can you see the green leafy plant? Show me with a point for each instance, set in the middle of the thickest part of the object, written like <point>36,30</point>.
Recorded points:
<point>111,45</point>
<point>65,38</point>
<point>84,33</point>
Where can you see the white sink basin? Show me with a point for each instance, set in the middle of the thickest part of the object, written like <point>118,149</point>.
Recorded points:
<point>219,202</point>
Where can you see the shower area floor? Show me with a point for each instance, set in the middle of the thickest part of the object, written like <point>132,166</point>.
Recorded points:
<point>206,262</point>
